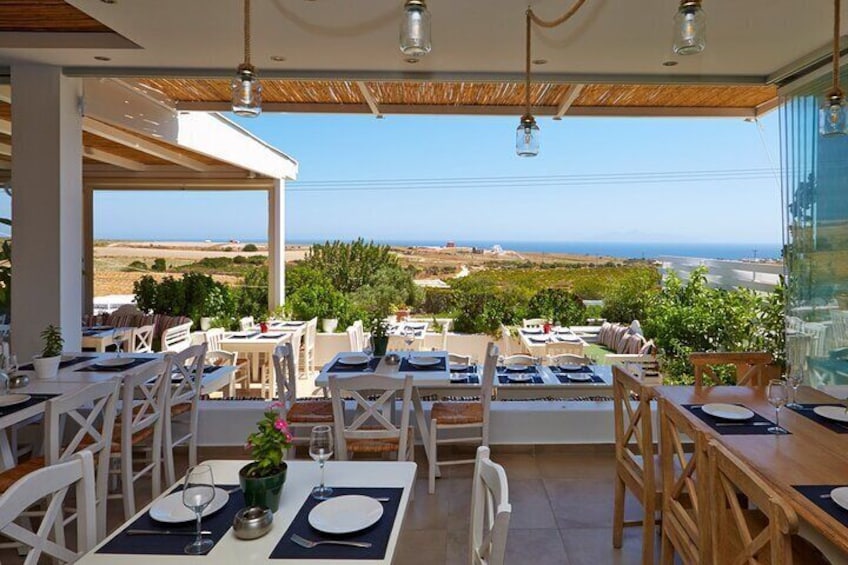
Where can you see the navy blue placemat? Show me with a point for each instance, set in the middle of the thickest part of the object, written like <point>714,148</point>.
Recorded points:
<point>564,376</point>
<point>92,333</point>
<point>244,336</point>
<point>504,379</point>
<point>218,523</point>
<point>95,368</point>
<point>468,369</point>
<point>272,336</point>
<point>338,367</point>
<point>757,425</point>
<point>530,331</point>
<point>62,364</point>
<point>539,340</point>
<point>378,534</point>
<point>470,379</point>
<point>833,426</point>
<point>814,493</point>
<point>33,400</point>
<point>405,365</point>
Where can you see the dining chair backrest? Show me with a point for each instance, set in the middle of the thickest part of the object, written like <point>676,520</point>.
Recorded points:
<point>246,323</point>
<point>185,371</point>
<point>296,340</point>
<point>459,359</point>
<point>490,511</point>
<point>356,344</point>
<point>372,416</point>
<point>487,385</point>
<point>310,335</point>
<point>634,434</point>
<point>534,322</point>
<point>518,359</point>
<point>286,375</point>
<point>506,341</point>
<point>751,367</point>
<point>214,336</point>
<point>732,536</point>
<point>177,338</point>
<point>563,348</point>
<point>569,359</point>
<point>142,339</point>
<point>51,484</point>
<point>686,498</point>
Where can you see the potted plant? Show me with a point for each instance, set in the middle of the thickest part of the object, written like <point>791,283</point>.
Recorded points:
<point>47,364</point>
<point>262,480</point>
<point>402,312</point>
<point>379,336</point>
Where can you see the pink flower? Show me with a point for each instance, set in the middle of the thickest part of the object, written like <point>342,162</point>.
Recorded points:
<point>288,436</point>
<point>281,425</point>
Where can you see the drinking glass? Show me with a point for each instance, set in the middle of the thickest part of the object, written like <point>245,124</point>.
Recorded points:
<point>794,378</point>
<point>118,340</point>
<point>321,449</point>
<point>198,493</point>
<point>13,364</point>
<point>368,349</point>
<point>409,336</point>
<point>777,395</point>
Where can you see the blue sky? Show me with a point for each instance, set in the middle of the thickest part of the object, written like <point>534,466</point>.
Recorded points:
<point>333,148</point>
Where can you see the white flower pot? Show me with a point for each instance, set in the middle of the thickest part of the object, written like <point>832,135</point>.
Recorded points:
<point>46,367</point>
<point>329,325</point>
<point>205,323</point>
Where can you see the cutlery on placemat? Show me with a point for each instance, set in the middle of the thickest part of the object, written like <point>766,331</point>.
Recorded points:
<point>309,544</point>
<point>136,532</point>
<point>744,424</point>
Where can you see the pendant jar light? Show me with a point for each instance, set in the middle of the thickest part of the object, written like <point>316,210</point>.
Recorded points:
<point>527,133</point>
<point>245,87</point>
<point>415,29</point>
<point>689,28</point>
<point>833,114</point>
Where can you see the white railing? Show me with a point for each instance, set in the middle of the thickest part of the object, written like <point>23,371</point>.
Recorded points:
<point>763,277</point>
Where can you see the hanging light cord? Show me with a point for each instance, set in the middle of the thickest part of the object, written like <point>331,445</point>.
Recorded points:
<point>836,10</point>
<point>247,32</point>
<point>531,19</point>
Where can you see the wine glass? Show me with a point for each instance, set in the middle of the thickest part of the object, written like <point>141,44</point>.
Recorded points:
<point>794,378</point>
<point>321,449</point>
<point>118,340</point>
<point>13,364</point>
<point>777,395</point>
<point>198,493</point>
<point>409,336</point>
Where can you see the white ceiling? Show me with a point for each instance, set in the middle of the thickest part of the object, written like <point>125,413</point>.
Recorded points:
<point>747,39</point>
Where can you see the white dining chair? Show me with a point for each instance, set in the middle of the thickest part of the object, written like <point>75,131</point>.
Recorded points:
<point>51,484</point>
<point>185,370</point>
<point>518,359</point>
<point>490,511</point>
<point>177,338</point>
<point>371,430</point>
<point>142,339</point>
<point>307,360</point>
<point>457,359</point>
<point>568,359</point>
<point>355,339</point>
<point>246,323</point>
<point>534,322</point>
<point>457,419</point>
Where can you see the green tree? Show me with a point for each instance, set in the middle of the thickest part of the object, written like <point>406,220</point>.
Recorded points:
<point>560,306</point>
<point>159,265</point>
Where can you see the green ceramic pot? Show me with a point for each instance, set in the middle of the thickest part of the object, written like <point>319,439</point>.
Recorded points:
<point>379,345</point>
<point>262,491</point>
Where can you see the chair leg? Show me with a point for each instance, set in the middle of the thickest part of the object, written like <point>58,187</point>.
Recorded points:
<point>618,513</point>
<point>667,550</point>
<point>433,462</point>
<point>127,490</point>
<point>648,529</point>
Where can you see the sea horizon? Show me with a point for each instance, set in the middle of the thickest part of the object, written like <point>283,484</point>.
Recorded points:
<point>618,250</point>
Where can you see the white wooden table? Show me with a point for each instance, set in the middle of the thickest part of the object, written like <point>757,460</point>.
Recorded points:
<point>536,342</point>
<point>301,477</point>
<point>99,340</point>
<point>253,343</point>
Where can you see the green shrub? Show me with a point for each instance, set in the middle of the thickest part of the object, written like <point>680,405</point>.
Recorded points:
<point>249,248</point>
<point>251,298</point>
<point>626,300</point>
<point>137,266</point>
<point>438,300</point>
<point>482,309</point>
<point>239,259</point>
<point>159,265</point>
<point>560,306</point>
<point>195,295</point>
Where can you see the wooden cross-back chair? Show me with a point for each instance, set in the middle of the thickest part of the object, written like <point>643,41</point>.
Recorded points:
<point>752,367</point>
<point>142,339</point>
<point>307,361</point>
<point>685,497</point>
<point>765,535</point>
<point>563,348</point>
<point>635,464</point>
<point>52,484</point>
<point>371,430</point>
<point>185,370</point>
<point>490,511</point>
<point>303,415</point>
<point>568,359</point>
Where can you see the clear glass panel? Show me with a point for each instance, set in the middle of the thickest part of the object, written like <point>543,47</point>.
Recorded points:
<point>527,139</point>
<point>689,30</point>
<point>815,185</point>
<point>247,95</point>
<point>415,30</point>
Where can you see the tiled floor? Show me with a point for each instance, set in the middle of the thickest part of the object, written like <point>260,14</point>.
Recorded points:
<point>561,500</point>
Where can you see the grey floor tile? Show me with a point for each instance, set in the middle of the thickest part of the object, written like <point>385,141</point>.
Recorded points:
<point>539,547</point>
<point>421,547</point>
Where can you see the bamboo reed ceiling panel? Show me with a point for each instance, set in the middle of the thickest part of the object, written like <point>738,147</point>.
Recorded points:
<point>462,93</point>
<point>675,96</point>
<point>46,16</point>
<point>285,91</point>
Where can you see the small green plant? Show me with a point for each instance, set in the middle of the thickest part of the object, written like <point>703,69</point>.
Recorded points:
<point>159,265</point>
<point>249,248</point>
<point>53,342</point>
<point>269,443</point>
<point>379,327</point>
<point>137,266</point>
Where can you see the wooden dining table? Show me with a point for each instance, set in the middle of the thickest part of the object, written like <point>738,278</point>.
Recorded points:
<point>810,454</point>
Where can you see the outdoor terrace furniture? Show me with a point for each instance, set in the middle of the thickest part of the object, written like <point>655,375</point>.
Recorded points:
<point>52,484</point>
<point>534,323</point>
<point>356,334</point>
<point>624,339</point>
<point>185,371</point>
<point>461,418</point>
<point>177,338</point>
<point>303,415</point>
<point>490,511</point>
<point>257,348</point>
<point>246,323</point>
<point>142,339</point>
<point>307,360</point>
<point>556,341</point>
<point>636,467</point>
<point>751,368</point>
<point>398,335</point>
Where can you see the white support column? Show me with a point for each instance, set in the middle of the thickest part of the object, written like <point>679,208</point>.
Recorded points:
<point>47,206</point>
<point>277,244</point>
<point>88,249</point>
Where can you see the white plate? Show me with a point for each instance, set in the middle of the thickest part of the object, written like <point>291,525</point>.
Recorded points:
<point>355,359</point>
<point>345,514</point>
<point>520,377</point>
<point>840,496</point>
<point>459,377</point>
<point>585,377</point>
<point>12,399</point>
<point>837,413</point>
<point>569,367</point>
<point>459,366</point>
<point>517,366</point>
<point>171,509</point>
<point>727,411</point>
<point>532,331</point>
<point>568,338</point>
<point>115,362</point>
<point>424,361</point>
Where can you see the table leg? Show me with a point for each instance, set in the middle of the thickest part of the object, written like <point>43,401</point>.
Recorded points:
<point>423,426</point>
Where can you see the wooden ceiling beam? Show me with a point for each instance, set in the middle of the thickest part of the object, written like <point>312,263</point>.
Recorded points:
<point>568,99</point>
<point>369,99</point>
<point>111,159</point>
